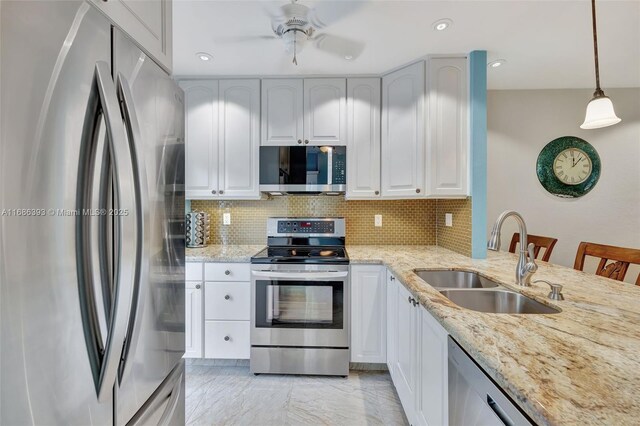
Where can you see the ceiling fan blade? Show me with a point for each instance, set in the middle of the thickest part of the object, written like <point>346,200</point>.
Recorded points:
<point>249,38</point>
<point>339,46</point>
<point>323,15</point>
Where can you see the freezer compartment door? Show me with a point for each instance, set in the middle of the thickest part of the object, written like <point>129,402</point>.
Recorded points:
<point>152,106</point>
<point>165,407</point>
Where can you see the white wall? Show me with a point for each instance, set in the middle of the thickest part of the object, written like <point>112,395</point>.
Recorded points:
<point>520,124</point>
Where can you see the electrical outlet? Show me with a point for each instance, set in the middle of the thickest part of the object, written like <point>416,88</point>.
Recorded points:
<point>226,218</point>
<point>377,220</point>
<point>448,219</point>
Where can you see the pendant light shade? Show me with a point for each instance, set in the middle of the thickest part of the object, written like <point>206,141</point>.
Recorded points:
<point>600,112</point>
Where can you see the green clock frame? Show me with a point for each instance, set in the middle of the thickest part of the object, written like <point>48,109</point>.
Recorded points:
<point>548,179</point>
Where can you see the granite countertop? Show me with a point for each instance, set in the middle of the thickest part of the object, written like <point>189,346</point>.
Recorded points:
<point>223,253</point>
<point>579,366</point>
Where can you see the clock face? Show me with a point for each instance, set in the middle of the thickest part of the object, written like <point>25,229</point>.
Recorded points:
<point>568,167</point>
<point>572,166</point>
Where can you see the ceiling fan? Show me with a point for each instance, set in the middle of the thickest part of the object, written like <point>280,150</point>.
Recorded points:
<point>297,25</point>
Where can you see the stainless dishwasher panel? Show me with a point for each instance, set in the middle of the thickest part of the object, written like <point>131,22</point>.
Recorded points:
<point>474,399</point>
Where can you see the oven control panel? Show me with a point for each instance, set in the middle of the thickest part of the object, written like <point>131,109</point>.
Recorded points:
<point>306,226</point>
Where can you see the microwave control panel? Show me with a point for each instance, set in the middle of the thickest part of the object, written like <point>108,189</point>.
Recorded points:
<point>306,226</point>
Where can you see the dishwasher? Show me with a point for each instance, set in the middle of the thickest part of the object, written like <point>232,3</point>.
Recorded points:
<point>474,399</point>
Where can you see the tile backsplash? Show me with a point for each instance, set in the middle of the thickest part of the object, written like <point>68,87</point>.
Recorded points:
<point>411,222</point>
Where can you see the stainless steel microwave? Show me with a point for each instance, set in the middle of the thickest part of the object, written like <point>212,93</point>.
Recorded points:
<point>303,169</point>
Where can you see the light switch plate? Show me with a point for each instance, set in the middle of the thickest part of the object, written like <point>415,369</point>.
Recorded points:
<point>448,219</point>
<point>377,220</point>
<point>226,218</point>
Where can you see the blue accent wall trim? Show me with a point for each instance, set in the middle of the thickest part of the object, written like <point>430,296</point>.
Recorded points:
<point>478,130</point>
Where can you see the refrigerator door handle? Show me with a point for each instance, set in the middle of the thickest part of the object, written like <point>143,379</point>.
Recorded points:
<point>132,128</point>
<point>105,359</point>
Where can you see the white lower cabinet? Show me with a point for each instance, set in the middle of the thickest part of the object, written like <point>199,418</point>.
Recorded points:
<point>368,319</point>
<point>432,402</point>
<point>227,339</point>
<point>193,319</point>
<point>392,319</point>
<point>416,357</point>
<point>406,347</point>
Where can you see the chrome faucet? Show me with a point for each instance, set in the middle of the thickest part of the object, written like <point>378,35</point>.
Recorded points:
<point>526,266</point>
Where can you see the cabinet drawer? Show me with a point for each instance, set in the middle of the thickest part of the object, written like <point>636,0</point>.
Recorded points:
<point>227,339</point>
<point>193,271</point>
<point>227,301</point>
<point>227,272</point>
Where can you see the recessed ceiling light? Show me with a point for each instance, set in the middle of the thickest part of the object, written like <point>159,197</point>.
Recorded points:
<point>348,57</point>
<point>497,63</point>
<point>442,24</point>
<point>204,56</point>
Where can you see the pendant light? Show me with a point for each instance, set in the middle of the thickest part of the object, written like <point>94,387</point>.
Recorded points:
<point>600,111</point>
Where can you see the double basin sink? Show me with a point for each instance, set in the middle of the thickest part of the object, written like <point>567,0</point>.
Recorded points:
<point>472,291</point>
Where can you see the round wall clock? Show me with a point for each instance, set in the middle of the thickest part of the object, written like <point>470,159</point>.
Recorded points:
<point>568,167</point>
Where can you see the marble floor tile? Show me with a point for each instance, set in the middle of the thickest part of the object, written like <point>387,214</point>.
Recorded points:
<point>217,395</point>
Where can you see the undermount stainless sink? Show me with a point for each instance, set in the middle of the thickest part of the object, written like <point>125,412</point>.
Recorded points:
<point>455,279</point>
<point>497,302</point>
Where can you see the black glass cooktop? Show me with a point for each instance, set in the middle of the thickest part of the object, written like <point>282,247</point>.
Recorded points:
<point>301,255</point>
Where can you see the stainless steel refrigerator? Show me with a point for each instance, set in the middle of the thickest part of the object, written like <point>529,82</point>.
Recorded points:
<point>91,225</point>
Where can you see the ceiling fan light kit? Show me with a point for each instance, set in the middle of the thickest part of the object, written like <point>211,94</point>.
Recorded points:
<point>600,112</point>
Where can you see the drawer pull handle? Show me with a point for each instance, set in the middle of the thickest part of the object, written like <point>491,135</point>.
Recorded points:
<point>227,297</point>
<point>198,286</point>
<point>227,338</point>
<point>227,272</point>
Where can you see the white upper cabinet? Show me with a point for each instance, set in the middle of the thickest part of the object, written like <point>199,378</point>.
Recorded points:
<point>403,133</point>
<point>239,138</point>
<point>363,138</point>
<point>448,136</point>
<point>201,138</point>
<point>148,22</point>
<point>325,111</point>
<point>368,319</point>
<point>222,137</point>
<point>282,111</point>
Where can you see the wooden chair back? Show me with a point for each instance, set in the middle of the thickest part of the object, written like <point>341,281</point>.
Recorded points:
<point>620,258</point>
<point>539,242</point>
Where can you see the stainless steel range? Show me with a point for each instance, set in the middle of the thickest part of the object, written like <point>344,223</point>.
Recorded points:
<point>300,299</point>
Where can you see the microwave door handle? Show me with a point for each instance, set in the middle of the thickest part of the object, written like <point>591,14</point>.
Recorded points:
<point>306,276</point>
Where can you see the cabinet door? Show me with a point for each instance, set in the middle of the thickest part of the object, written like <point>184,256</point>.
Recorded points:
<point>368,319</point>
<point>392,297</point>
<point>432,401</point>
<point>193,320</point>
<point>239,139</point>
<point>363,138</point>
<point>148,23</point>
<point>201,138</point>
<point>403,139</point>
<point>406,352</point>
<point>325,111</point>
<point>282,111</point>
<point>448,138</point>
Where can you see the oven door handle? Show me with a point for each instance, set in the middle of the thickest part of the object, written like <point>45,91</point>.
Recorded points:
<point>320,275</point>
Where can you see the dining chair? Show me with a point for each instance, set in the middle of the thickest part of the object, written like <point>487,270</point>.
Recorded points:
<point>620,258</point>
<point>539,242</point>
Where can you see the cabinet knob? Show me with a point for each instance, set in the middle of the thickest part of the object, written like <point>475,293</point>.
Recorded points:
<point>198,286</point>
<point>227,272</point>
<point>227,297</point>
<point>299,141</point>
<point>393,278</point>
<point>377,192</point>
<point>214,192</point>
<point>410,299</point>
<point>306,141</point>
<point>222,192</point>
<point>417,191</point>
<point>227,338</point>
